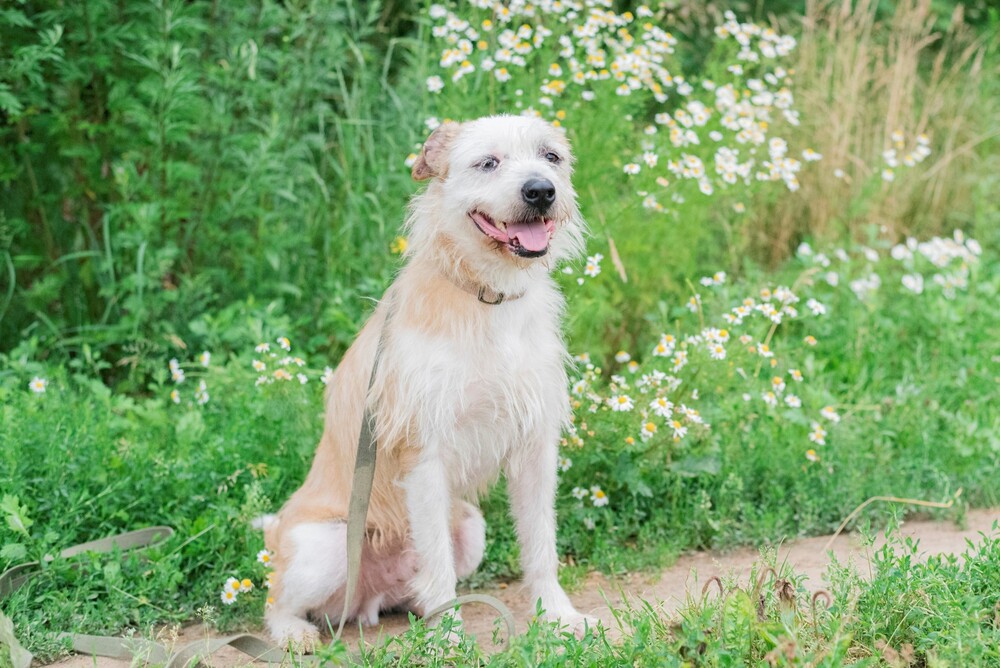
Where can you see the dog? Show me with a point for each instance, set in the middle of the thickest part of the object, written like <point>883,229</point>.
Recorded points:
<point>471,381</point>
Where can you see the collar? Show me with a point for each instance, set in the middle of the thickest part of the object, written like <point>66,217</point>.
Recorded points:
<point>484,293</point>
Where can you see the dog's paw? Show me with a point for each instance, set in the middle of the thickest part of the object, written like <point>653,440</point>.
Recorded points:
<point>295,634</point>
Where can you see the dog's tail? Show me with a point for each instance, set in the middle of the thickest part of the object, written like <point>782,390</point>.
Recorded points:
<point>264,522</point>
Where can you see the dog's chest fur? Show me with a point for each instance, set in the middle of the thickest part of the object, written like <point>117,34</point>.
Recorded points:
<point>480,381</point>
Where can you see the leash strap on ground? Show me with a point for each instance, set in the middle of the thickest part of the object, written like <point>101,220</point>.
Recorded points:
<point>361,487</point>
<point>14,577</point>
<point>505,614</point>
<point>188,656</point>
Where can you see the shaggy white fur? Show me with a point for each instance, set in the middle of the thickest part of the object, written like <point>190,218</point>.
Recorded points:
<point>464,390</point>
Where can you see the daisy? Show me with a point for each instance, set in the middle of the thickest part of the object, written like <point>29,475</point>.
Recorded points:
<point>621,403</point>
<point>770,398</point>
<point>38,385</point>
<point>284,343</point>
<point>680,431</point>
<point>648,430</point>
<point>205,358</point>
<point>811,455</point>
<point>598,497</point>
<point>793,401</point>
<point>810,340</point>
<point>175,396</point>
<point>435,84</point>
<point>796,375</point>
<point>816,307</point>
<point>662,407</point>
<point>622,357</point>
<point>264,557</point>
<point>830,414</point>
<point>201,395</point>
<point>579,493</point>
<point>246,585</point>
<point>327,376</point>
<point>565,463</point>
<point>258,365</point>
<point>818,434</point>
<point>263,347</point>
<point>914,283</point>
<point>228,597</point>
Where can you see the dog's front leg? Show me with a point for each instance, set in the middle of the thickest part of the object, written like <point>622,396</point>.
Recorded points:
<point>428,502</point>
<point>531,482</point>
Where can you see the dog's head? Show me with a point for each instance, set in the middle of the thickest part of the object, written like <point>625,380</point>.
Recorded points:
<point>500,192</point>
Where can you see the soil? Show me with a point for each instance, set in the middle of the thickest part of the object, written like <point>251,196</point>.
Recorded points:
<point>669,587</point>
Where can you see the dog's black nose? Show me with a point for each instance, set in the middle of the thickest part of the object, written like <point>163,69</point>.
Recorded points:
<point>539,194</point>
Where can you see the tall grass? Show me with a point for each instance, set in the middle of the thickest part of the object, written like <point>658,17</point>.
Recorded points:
<point>862,79</point>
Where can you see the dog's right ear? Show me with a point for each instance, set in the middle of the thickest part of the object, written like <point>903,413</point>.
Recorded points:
<point>433,159</point>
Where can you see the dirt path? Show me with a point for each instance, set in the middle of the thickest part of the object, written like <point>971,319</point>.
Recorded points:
<point>807,556</point>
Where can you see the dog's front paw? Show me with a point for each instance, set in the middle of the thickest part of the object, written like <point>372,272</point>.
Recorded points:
<point>295,634</point>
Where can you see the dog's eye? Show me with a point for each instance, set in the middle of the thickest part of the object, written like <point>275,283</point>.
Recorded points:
<point>553,158</point>
<point>488,164</point>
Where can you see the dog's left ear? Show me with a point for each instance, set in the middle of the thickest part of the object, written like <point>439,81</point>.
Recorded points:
<point>433,159</point>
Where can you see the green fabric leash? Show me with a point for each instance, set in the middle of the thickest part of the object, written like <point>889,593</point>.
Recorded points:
<point>14,577</point>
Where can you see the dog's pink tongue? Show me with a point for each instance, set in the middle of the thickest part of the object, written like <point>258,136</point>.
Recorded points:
<point>532,236</point>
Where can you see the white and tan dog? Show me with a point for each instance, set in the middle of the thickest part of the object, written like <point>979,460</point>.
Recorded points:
<point>471,382</point>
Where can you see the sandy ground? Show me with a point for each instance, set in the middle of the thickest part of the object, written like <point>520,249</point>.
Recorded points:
<point>670,587</point>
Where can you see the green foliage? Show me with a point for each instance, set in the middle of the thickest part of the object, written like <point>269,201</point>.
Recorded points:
<point>170,159</point>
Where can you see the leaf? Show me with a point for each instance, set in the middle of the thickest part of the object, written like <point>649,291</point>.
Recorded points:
<point>16,514</point>
<point>13,552</point>
<point>693,466</point>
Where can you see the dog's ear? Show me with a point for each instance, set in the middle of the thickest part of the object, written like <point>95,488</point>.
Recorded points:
<point>433,159</point>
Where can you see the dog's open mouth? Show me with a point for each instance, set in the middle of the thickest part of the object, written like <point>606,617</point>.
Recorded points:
<point>527,238</point>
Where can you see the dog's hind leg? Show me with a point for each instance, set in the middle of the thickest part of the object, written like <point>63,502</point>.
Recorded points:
<point>311,575</point>
<point>469,534</point>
